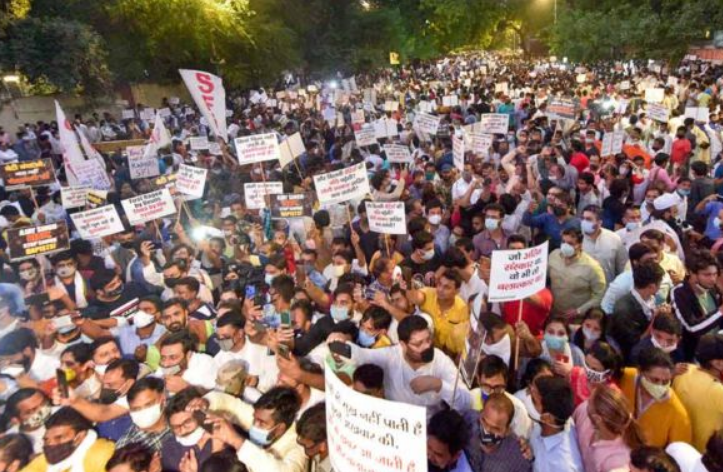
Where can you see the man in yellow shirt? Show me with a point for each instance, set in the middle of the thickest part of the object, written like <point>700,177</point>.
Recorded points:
<point>657,408</point>
<point>701,391</point>
<point>70,444</point>
<point>449,312</point>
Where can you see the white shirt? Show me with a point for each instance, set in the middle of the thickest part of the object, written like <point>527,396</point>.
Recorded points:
<point>460,187</point>
<point>258,363</point>
<point>524,396</point>
<point>316,397</point>
<point>43,366</point>
<point>7,156</point>
<point>608,249</point>
<point>686,456</point>
<point>472,287</point>
<point>201,371</point>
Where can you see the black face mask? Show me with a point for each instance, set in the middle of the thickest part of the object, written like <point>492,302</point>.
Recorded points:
<point>108,396</point>
<point>557,211</point>
<point>59,452</point>
<point>127,244</point>
<point>489,439</point>
<point>427,355</point>
<point>171,282</point>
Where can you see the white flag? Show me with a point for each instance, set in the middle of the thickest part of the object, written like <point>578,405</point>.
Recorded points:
<point>89,150</point>
<point>210,97</point>
<point>159,138</point>
<point>68,139</point>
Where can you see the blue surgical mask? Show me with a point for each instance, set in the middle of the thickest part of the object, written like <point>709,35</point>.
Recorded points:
<point>339,313</point>
<point>365,339</point>
<point>268,278</point>
<point>555,343</point>
<point>491,224</point>
<point>588,227</point>
<point>716,222</point>
<point>567,250</point>
<point>683,192</point>
<point>260,436</point>
<point>632,225</point>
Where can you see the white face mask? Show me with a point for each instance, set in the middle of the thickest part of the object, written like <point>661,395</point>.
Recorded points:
<point>501,349</point>
<point>192,439</point>
<point>434,219</point>
<point>666,349</point>
<point>148,416</point>
<point>141,319</point>
<point>28,274</point>
<point>338,270</point>
<point>100,369</point>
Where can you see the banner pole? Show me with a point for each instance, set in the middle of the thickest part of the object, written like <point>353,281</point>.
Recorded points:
<point>517,338</point>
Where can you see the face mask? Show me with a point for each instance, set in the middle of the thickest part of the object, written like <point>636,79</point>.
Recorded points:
<point>488,439</point>
<point>309,268</point>
<point>453,239</point>
<point>28,275</point>
<point>589,335</point>
<point>716,222</point>
<point>656,391</point>
<point>170,371</point>
<point>226,344</point>
<point>666,349</point>
<point>13,370</point>
<point>114,293</point>
<point>567,250</point>
<point>559,211</point>
<point>141,319</point>
<point>555,343</point>
<point>501,349</point>
<point>100,369</point>
<point>38,418</point>
<point>170,282</point>
<point>339,270</point>
<point>65,272</point>
<point>268,278</point>
<point>108,396</point>
<point>192,439</point>
<point>434,219</point>
<point>59,452</point>
<point>147,417</point>
<point>69,374</point>
<point>429,176</point>
<point>127,244</point>
<point>427,355</point>
<point>259,436</point>
<point>632,225</point>
<point>339,313</point>
<point>594,376</point>
<point>588,227</point>
<point>365,339</point>
<point>491,224</point>
<point>428,255</point>
<point>684,193</point>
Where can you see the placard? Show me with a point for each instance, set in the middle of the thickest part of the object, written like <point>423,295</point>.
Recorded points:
<point>494,123</point>
<point>606,149</point>
<point>473,350</point>
<point>199,143</point>
<point>365,136</point>
<point>517,274</point>
<point>385,128</point>
<point>700,114</point>
<point>291,148</point>
<point>366,433</point>
<point>458,152</point>
<point>450,100</point>
<point>128,114</point>
<point>290,205</point>
<point>657,112</point>
<point>149,206</point>
<point>398,153</point>
<point>481,143</point>
<point>503,88</point>
<point>654,95</point>
<point>257,148</point>
<point>140,165</point>
<point>31,241</point>
<point>164,112</point>
<point>74,197</point>
<point>562,108</point>
<point>98,222</point>
<point>96,198</point>
<point>342,185</point>
<point>148,114</point>
<point>255,193</point>
<point>624,85</point>
<point>618,138</point>
<point>27,174</point>
<point>167,182</point>
<point>426,123</point>
<point>387,217</point>
<point>357,117</point>
<point>90,172</point>
<point>191,180</point>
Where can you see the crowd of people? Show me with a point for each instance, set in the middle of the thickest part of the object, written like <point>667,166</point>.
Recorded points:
<point>201,341</point>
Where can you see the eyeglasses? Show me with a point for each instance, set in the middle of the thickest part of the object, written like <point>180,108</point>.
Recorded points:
<point>492,388</point>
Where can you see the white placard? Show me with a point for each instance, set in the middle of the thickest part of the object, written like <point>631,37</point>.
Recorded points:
<point>148,114</point>
<point>502,87</point>
<point>426,123</point>
<point>654,95</point>
<point>385,128</point>
<point>618,139</point>
<point>255,192</point>
<point>495,123</point>
<point>624,85</point>
<point>387,217</point>
<point>657,112</point>
<point>517,274</point>
<point>191,180</point>
<point>450,100</point>
<point>99,222</point>
<point>700,114</point>
<point>398,153</point>
<point>140,165</point>
<point>74,197</point>
<point>481,143</point>
<point>199,143</point>
<point>257,148</point>
<point>672,81</point>
<point>357,117</point>
<point>164,112</point>
<point>606,149</point>
<point>291,148</point>
<point>342,185</point>
<point>149,206</point>
<point>365,136</point>
<point>458,152</point>
<point>91,172</point>
<point>174,101</point>
<point>128,114</point>
<point>391,106</point>
<point>371,434</point>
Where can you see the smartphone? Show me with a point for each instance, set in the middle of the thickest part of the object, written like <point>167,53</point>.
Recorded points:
<point>284,351</point>
<point>259,299</point>
<point>286,318</point>
<point>340,349</point>
<point>62,383</point>
<point>259,326</point>
<point>200,418</point>
<point>62,322</point>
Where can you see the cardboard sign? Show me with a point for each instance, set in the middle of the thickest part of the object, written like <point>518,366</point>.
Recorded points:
<point>700,114</point>
<point>91,172</point>
<point>365,433</point>
<point>191,180</point>
<point>96,198</point>
<point>503,88</point>
<point>365,136</point>
<point>149,206</point>
<point>654,95</point>
<point>426,123</point>
<point>672,81</point>
<point>494,123</point>
<point>387,217</point>
<point>450,100</point>
<point>481,143</point>
<point>657,112</point>
<point>398,153</point>
<point>140,165</point>
<point>74,197</point>
<point>255,193</point>
<point>98,222</point>
<point>473,350</point>
<point>357,117</point>
<point>562,108</point>
<point>199,143</point>
<point>458,152</point>
<point>31,241</point>
<point>291,148</point>
<point>517,274</point>
<point>425,106</point>
<point>128,114</point>
<point>624,85</point>
<point>163,112</point>
<point>386,128</point>
<point>606,149</point>
<point>27,174</point>
<point>290,205</point>
<point>166,182</point>
<point>257,148</point>
<point>618,138</point>
<point>342,185</point>
<point>148,114</point>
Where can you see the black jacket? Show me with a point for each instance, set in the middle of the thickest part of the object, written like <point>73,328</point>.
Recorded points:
<point>696,322</point>
<point>627,324</point>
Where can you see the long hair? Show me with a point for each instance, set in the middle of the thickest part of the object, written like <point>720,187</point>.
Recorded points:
<point>613,409</point>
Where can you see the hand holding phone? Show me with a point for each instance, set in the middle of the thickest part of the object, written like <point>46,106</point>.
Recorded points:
<point>62,383</point>
<point>340,349</point>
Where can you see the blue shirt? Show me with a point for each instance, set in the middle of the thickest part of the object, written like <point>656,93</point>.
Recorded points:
<point>550,226</point>
<point>710,211</point>
<point>556,453</point>
<point>129,339</point>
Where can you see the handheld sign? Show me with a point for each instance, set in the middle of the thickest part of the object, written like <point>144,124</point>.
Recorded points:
<point>387,217</point>
<point>481,143</point>
<point>141,165</point>
<point>291,148</point>
<point>257,148</point>
<point>74,197</point>
<point>31,241</point>
<point>517,274</point>
<point>95,198</point>
<point>91,172</point>
<point>290,205</point>
<point>191,180</point>
<point>473,350</point>
<point>398,153</point>
<point>27,174</point>
<point>386,436</point>
<point>342,185</point>
<point>495,123</point>
<point>562,108</point>
<point>199,143</point>
<point>149,206</point>
<point>426,123</point>
<point>458,152</point>
<point>658,112</point>
<point>256,192</point>
<point>365,136</point>
<point>98,222</point>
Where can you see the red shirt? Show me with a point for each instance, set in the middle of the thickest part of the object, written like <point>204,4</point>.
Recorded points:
<point>580,162</point>
<point>532,314</point>
<point>680,150</point>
